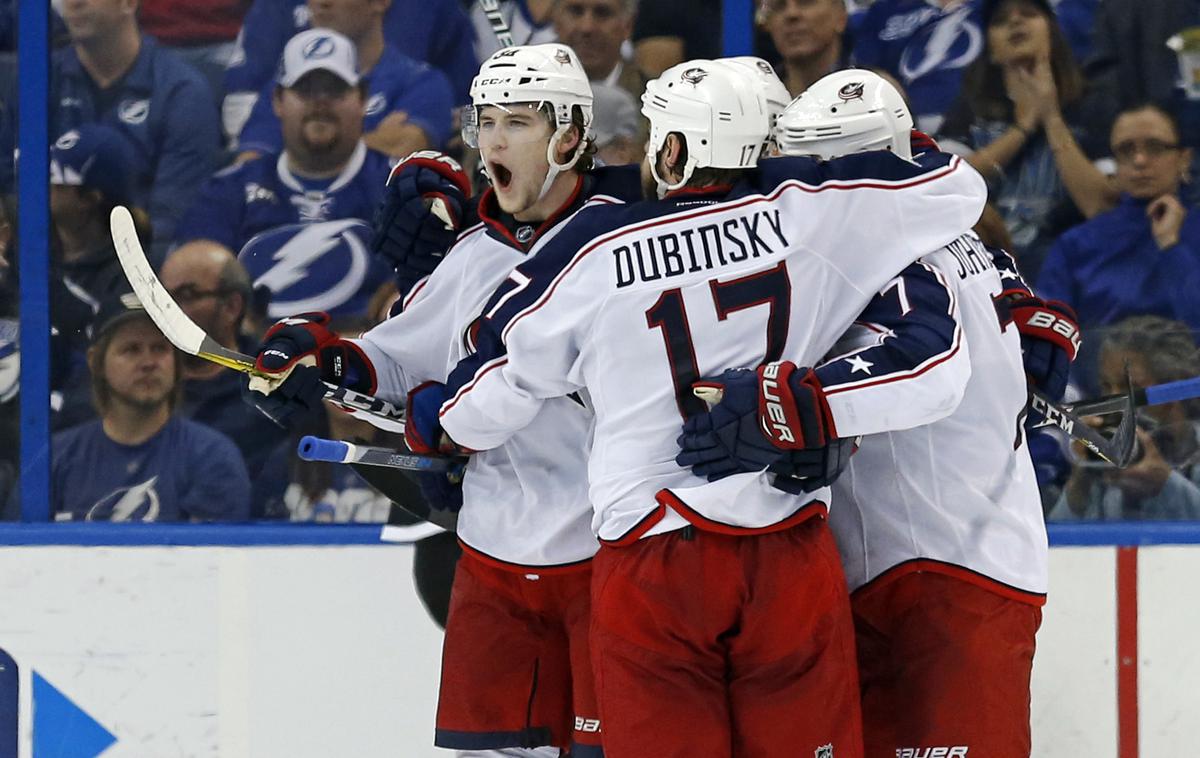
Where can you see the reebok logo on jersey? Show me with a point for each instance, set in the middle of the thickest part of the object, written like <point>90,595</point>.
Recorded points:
<point>777,429</point>
<point>956,751</point>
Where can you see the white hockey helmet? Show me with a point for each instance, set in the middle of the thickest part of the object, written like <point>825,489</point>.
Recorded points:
<point>537,75</point>
<point>722,119</point>
<point>770,86</point>
<point>846,112</point>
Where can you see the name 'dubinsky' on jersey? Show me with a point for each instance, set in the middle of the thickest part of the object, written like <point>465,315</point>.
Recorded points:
<point>686,251</point>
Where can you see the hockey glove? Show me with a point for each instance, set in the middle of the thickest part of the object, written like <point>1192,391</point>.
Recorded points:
<point>298,354</point>
<point>420,215</point>
<point>920,142</point>
<point>727,439</point>
<point>808,470</point>
<point>1050,340</point>
<point>422,429</point>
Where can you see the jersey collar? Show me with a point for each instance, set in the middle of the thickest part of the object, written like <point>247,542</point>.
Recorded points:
<point>283,168</point>
<point>522,235</point>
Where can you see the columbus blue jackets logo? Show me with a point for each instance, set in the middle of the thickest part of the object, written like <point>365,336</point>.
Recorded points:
<point>133,111</point>
<point>563,57</point>
<point>851,91</point>
<point>764,67</point>
<point>693,76</point>
<point>315,267</point>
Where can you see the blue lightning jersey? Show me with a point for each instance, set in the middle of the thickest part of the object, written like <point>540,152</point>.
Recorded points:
<point>184,472</point>
<point>924,46</point>
<point>397,83</point>
<point>264,193</point>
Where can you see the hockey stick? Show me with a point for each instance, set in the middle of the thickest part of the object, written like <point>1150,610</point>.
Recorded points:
<point>387,472</point>
<point>1167,392</point>
<point>184,334</point>
<point>335,451</point>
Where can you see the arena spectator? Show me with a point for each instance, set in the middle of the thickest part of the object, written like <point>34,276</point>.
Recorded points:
<point>504,23</point>
<point>139,461</point>
<point>213,289</point>
<point>90,173</point>
<point>202,32</point>
<point>305,209</point>
<point>597,30</point>
<point>1130,62</point>
<point>1163,482</point>
<point>408,103</point>
<point>114,74</point>
<point>434,31</point>
<point>808,35</point>
<point>1018,123</point>
<point>667,32</point>
<point>1142,257</point>
<point>926,45</point>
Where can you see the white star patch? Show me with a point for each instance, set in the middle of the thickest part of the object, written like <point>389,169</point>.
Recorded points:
<point>860,364</point>
<point>1008,273</point>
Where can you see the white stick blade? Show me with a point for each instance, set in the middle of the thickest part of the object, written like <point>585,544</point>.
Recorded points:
<point>163,310</point>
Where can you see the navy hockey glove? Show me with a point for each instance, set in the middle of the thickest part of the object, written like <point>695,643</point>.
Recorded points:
<point>422,428</point>
<point>808,470</point>
<point>297,356</point>
<point>727,439</point>
<point>1050,340</point>
<point>420,215</point>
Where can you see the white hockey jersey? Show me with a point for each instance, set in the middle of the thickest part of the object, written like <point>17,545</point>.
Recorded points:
<point>635,303</point>
<point>956,494</point>
<point>524,504</point>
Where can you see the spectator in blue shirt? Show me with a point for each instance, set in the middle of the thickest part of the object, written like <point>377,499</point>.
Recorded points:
<point>1142,257</point>
<point>436,32</point>
<point>113,74</point>
<point>308,207</point>
<point>139,461</point>
<point>926,45</point>
<point>409,105</point>
<point>214,290</point>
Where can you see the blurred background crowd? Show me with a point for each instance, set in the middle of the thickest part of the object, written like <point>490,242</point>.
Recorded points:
<point>252,139</point>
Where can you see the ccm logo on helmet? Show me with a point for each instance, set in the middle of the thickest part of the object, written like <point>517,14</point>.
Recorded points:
<point>774,408</point>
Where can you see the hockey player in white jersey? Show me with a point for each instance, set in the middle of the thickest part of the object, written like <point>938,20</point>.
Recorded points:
<point>720,619</point>
<point>516,678</point>
<point>937,517</point>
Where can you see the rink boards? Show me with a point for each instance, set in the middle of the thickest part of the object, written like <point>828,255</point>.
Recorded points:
<point>240,642</point>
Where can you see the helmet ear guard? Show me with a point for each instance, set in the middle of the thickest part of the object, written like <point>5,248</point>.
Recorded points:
<point>846,112</point>
<point>724,122</point>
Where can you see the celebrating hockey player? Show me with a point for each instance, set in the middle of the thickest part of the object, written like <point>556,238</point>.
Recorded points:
<point>937,516</point>
<point>721,624</point>
<point>516,678</point>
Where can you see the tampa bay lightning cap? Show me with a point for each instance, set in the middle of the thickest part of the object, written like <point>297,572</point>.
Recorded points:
<point>318,50</point>
<point>114,311</point>
<point>97,157</point>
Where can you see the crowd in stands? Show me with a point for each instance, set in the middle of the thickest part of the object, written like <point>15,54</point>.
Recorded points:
<point>252,140</point>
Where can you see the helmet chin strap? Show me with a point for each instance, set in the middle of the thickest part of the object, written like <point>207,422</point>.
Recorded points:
<point>557,168</point>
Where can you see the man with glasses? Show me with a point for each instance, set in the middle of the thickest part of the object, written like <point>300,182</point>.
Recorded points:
<point>306,207</point>
<point>213,289</point>
<point>1142,257</point>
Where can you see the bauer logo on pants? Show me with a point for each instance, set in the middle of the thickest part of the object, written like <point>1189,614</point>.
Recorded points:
<point>825,751</point>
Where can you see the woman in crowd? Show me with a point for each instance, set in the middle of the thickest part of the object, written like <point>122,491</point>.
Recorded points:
<point>1017,122</point>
